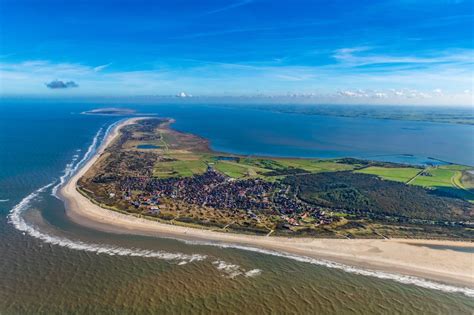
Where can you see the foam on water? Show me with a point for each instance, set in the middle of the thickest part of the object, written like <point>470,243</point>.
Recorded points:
<point>355,270</point>
<point>19,222</point>
<point>233,270</point>
<point>72,167</point>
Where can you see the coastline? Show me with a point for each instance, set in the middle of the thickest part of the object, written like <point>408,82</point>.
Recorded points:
<point>399,256</point>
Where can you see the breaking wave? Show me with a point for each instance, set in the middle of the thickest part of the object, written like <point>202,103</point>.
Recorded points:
<point>72,167</point>
<point>233,270</point>
<point>15,216</point>
<point>20,224</point>
<point>420,282</point>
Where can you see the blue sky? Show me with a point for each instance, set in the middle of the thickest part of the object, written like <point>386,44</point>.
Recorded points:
<point>405,52</point>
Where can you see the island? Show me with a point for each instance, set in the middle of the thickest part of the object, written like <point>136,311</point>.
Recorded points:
<point>150,179</point>
<point>170,176</point>
<point>110,111</point>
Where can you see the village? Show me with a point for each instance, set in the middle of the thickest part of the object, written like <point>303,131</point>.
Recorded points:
<point>215,190</point>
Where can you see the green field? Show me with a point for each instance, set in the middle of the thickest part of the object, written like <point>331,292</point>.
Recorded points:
<point>239,170</point>
<point>446,178</point>
<point>436,177</point>
<point>179,168</point>
<point>188,164</point>
<point>308,165</point>
<point>399,174</point>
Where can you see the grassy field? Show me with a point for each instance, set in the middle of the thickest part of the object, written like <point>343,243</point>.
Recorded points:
<point>445,178</point>
<point>185,164</point>
<point>188,164</point>
<point>182,168</point>
<point>239,170</point>
<point>309,165</point>
<point>399,174</point>
<point>436,177</point>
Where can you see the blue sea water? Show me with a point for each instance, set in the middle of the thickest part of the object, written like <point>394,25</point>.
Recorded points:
<point>89,271</point>
<point>260,132</point>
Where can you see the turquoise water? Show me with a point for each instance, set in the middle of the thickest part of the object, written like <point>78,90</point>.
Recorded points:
<point>50,265</point>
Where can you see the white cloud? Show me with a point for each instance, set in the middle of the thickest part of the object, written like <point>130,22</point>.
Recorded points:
<point>389,93</point>
<point>183,95</point>
<point>361,56</point>
<point>230,6</point>
<point>101,67</point>
<point>443,84</point>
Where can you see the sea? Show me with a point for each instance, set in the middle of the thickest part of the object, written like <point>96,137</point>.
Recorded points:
<point>50,265</point>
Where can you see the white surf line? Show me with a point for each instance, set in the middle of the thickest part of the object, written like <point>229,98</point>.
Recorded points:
<point>233,270</point>
<point>404,279</point>
<point>72,168</point>
<point>20,224</point>
<point>221,265</point>
<point>18,221</point>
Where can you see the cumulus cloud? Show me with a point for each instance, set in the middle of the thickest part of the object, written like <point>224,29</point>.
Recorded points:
<point>391,93</point>
<point>354,93</point>
<point>183,95</point>
<point>440,84</point>
<point>58,84</point>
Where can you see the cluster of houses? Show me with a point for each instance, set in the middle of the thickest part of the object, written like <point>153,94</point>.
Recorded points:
<point>215,190</point>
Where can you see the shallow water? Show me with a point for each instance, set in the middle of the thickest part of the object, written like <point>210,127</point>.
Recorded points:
<point>147,146</point>
<point>107,273</point>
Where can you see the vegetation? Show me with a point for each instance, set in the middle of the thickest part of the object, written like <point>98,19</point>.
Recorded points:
<point>283,196</point>
<point>398,174</point>
<point>366,195</point>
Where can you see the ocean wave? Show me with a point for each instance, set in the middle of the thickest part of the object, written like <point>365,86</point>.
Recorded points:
<point>404,279</point>
<point>20,224</point>
<point>4,200</point>
<point>253,273</point>
<point>72,167</point>
<point>233,270</point>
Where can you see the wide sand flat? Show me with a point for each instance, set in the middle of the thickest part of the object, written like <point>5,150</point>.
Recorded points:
<point>394,255</point>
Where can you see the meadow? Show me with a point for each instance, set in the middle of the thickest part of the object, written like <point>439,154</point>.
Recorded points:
<point>449,179</point>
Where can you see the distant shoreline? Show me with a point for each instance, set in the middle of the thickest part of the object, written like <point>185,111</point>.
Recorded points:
<point>111,111</point>
<point>393,255</point>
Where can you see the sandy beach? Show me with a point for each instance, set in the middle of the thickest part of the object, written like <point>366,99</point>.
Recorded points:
<point>401,256</point>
